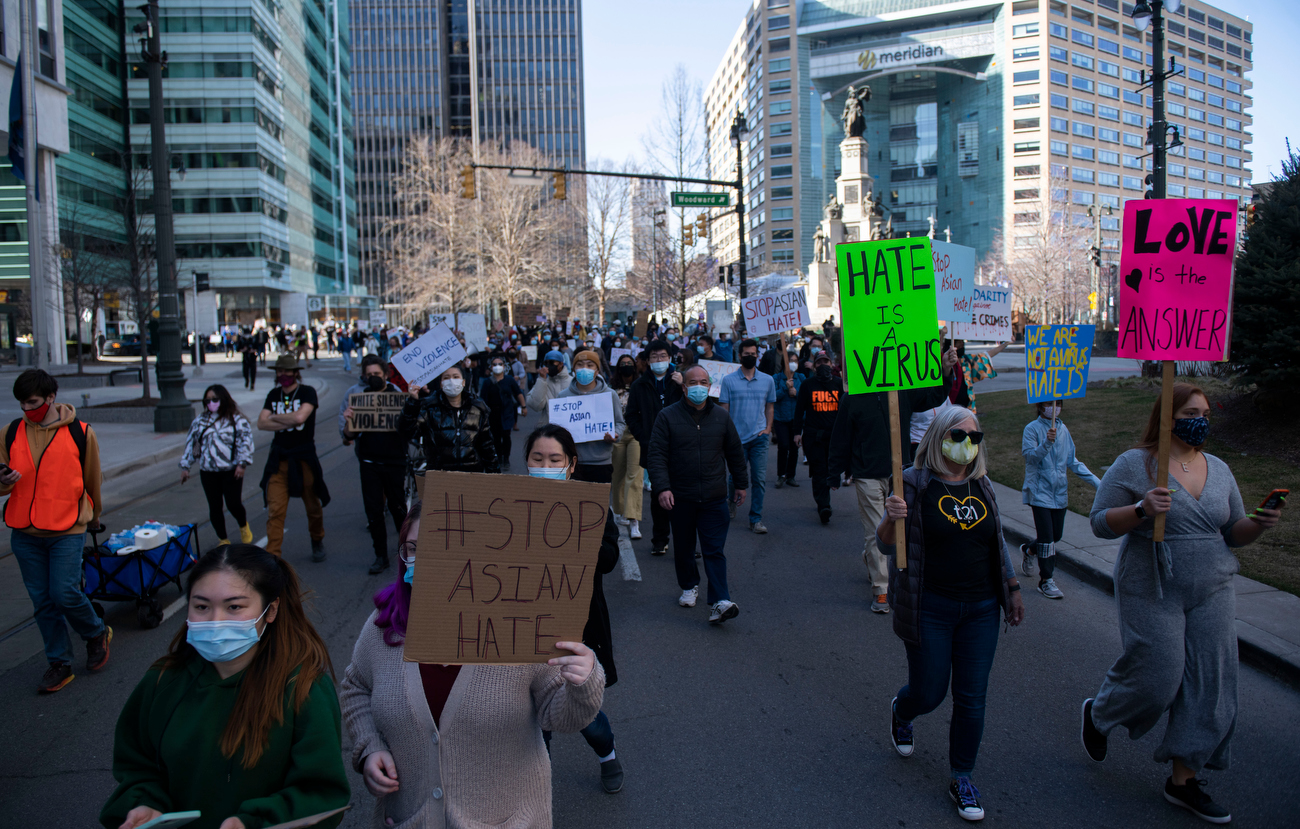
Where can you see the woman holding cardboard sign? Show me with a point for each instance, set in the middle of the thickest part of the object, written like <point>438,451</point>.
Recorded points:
<point>1177,603</point>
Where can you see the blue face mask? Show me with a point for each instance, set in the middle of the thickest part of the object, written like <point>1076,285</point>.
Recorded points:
<point>410,573</point>
<point>1191,430</point>
<point>699,349</point>
<point>225,640</point>
<point>585,376</point>
<point>659,369</point>
<point>697,394</point>
<point>555,473</point>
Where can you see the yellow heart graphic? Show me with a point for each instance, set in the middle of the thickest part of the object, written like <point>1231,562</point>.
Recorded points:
<point>966,512</point>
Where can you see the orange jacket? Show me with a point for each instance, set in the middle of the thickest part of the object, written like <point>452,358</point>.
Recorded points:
<point>57,494</point>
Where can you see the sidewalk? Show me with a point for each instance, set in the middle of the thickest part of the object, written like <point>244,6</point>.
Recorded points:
<point>1268,619</point>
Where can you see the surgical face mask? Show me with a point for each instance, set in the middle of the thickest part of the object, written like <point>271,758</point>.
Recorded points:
<point>410,573</point>
<point>225,640</point>
<point>699,349</point>
<point>815,350</point>
<point>374,382</point>
<point>451,388</point>
<point>498,369</point>
<point>586,376</point>
<point>749,360</point>
<point>213,405</point>
<point>697,394</point>
<point>962,453</point>
<point>660,368</point>
<point>555,473</point>
<point>1051,412</point>
<point>1191,430</point>
<point>794,366</point>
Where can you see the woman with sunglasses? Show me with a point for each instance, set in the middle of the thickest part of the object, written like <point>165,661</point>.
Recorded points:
<point>221,441</point>
<point>955,549</point>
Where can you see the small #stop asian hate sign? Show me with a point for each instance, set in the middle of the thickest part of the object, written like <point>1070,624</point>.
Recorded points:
<point>1175,292</point>
<point>504,567</point>
<point>891,321</point>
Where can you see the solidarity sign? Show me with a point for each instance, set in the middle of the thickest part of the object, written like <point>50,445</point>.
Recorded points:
<point>1175,293</point>
<point>891,327</point>
<point>989,317</point>
<point>1056,361</point>
<point>774,313</point>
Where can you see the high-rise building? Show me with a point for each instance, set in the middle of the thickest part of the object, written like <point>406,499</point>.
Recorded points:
<point>649,200</point>
<point>413,81</point>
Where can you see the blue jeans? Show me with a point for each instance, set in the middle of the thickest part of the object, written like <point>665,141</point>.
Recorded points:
<point>51,568</point>
<point>957,638</point>
<point>709,521</point>
<point>347,359</point>
<point>756,457</point>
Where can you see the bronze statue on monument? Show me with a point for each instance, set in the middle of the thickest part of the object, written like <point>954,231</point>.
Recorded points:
<point>854,120</point>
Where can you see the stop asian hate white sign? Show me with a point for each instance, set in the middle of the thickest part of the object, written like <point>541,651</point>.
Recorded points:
<point>588,417</point>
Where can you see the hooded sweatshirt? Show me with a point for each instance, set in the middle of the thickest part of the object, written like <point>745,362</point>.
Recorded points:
<point>544,389</point>
<point>38,438</point>
<point>598,452</point>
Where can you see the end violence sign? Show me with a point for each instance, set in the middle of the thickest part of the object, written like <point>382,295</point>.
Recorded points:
<point>1175,292</point>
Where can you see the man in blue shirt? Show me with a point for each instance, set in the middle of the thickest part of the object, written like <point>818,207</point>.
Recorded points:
<point>749,396</point>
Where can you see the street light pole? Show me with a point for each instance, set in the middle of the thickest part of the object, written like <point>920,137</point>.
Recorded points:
<point>739,129</point>
<point>1150,13</point>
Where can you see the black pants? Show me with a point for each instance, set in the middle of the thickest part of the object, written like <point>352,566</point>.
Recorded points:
<point>596,473</point>
<point>787,454</point>
<point>1049,524</point>
<point>219,485</point>
<point>660,524</point>
<point>250,369</point>
<point>382,482</point>
<point>501,437</point>
<point>817,446</point>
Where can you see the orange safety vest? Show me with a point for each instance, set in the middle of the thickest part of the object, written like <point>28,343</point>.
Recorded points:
<point>48,495</point>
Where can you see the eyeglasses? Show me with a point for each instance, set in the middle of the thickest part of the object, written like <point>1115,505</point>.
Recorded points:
<point>407,552</point>
<point>958,435</point>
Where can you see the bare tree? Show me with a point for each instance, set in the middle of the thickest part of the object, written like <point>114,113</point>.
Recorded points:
<point>1047,258</point>
<point>609,220</point>
<point>84,268</point>
<point>137,276</point>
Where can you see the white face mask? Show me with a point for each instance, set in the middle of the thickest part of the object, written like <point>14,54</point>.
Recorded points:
<point>794,366</point>
<point>451,388</point>
<point>1051,412</point>
<point>498,369</point>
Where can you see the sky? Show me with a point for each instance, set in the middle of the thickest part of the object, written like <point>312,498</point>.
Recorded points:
<point>630,48</point>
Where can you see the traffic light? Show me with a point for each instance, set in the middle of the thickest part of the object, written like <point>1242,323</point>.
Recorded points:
<point>467,181</point>
<point>559,186</point>
<point>1096,255</point>
<point>702,226</point>
<point>1092,301</point>
<point>722,274</point>
<point>200,282</point>
<point>1251,215</point>
<point>688,236</point>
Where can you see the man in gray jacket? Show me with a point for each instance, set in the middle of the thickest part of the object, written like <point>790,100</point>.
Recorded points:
<point>693,445</point>
<point>595,457</point>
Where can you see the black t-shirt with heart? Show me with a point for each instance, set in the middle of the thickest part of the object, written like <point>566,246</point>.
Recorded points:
<point>961,548</point>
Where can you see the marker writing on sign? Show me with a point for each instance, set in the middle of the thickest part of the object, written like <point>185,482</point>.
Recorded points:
<point>894,270</point>
<point>416,356</point>
<point>1197,231</point>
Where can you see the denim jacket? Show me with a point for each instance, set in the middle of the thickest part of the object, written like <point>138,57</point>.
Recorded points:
<point>1046,462</point>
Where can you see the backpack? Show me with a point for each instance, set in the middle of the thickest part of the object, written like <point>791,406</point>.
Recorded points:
<point>76,428</point>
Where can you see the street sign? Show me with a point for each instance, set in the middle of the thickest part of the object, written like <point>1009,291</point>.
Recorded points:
<point>681,199</point>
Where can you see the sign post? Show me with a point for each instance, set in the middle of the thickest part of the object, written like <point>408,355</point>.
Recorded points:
<point>684,199</point>
<point>891,332</point>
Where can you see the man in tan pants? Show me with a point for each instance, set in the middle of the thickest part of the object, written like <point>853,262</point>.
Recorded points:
<point>292,468</point>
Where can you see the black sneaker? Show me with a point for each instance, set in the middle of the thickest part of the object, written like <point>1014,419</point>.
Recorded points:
<point>659,551</point>
<point>780,482</point>
<point>58,675</point>
<point>611,776</point>
<point>317,550</point>
<point>900,732</point>
<point>97,650</point>
<point>967,798</point>
<point>379,565</point>
<point>825,514</point>
<point>791,482</point>
<point>1094,742</point>
<point>1192,797</point>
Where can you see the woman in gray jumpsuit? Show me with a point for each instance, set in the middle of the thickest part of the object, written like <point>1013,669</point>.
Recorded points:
<point>1176,602</point>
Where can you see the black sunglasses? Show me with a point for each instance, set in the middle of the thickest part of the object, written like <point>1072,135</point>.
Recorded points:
<point>958,435</point>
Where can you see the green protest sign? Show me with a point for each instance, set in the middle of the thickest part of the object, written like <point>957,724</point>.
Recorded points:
<point>891,320</point>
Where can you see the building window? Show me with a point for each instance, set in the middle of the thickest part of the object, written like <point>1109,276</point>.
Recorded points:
<point>1081,197</point>
<point>1026,124</point>
<point>782,214</point>
<point>783,171</point>
<point>1058,53</point>
<point>1083,129</point>
<point>1106,90</point>
<point>1133,161</point>
<point>779,108</point>
<point>783,235</point>
<point>781,128</point>
<point>1133,119</point>
<point>1058,77</point>
<point>1026,147</point>
<point>1027,218</point>
<point>1057,30</point>
<point>1108,157</point>
<point>778,22</point>
<point>1083,106</point>
<point>1060,125</point>
<point>1024,30</point>
<point>1084,176</point>
<point>1060,101</point>
<point>1027,76</point>
<point>782,193</point>
<point>1060,148</point>
<point>1080,60</point>
<point>1026,195</point>
<point>781,150</point>
<point>1108,179</point>
<point>778,65</point>
<point>1135,183</point>
<point>1108,135</point>
<point>778,44</point>
<point>1082,38</point>
<point>1024,53</point>
<point>778,86</point>
<point>1108,46</point>
<point>1105,67</point>
<point>1085,153</point>
<point>1025,100</point>
<point>968,147</point>
<point>1109,113</point>
<point>782,257</point>
<point>1175,190</point>
<point>1032,170</point>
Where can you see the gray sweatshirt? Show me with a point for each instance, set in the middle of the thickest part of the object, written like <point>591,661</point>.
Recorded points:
<point>598,452</point>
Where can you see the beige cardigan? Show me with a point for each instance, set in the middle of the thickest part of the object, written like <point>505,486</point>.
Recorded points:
<point>487,765</point>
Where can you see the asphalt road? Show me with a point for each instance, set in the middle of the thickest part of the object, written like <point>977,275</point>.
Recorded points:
<point>778,718</point>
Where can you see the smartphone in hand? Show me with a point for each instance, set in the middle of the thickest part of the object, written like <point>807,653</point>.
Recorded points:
<point>170,820</point>
<point>1275,499</point>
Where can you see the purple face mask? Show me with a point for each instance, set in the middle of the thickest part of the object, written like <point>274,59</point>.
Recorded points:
<point>287,380</point>
<point>213,405</point>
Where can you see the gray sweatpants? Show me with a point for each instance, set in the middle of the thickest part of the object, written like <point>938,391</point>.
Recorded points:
<point>1180,652</point>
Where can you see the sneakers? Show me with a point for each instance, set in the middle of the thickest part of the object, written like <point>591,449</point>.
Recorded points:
<point>900,733</point>
<point>97,650</point>
<point>1192,797</point>
<point>688,597</point>
<point>56,677</point>
<point>967,798</point>
<point>722,611</point>
<point>611,776</point>
<point>1049,589</point>
<point>758,528</point>
<point>245,534</point>
<point>620,520</point>
<point>881,604</point>
<point>1094,742</point>
<point>659,551</point>
<point>825,514</point>
<point>634,529</point>
<point>1029,565</point>
<point>790,482</point>
<point>780,482</point>
<point>317,550</point>
<point>379,565</point>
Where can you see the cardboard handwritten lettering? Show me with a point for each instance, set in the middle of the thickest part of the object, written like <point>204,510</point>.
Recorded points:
<point>774,313</point>
<point>954,277</point>
<point>891,324</point>
<point>1175,292</point>
<point>587,417</point>
<point>432,354</point>
<point>503,567</point>
<point>717,369</point>
<point>989,318</point>
<point>1056,361</point>
<point>375,411</point>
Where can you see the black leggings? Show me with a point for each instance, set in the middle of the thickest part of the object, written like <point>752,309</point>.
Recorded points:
<point>787,454</point>
<point>1049,524</point>
<point>218,485</point>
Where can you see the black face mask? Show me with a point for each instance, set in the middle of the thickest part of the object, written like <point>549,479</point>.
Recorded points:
<point>748,361</point>
<point>375,383</point>
<point>824,372</point>
<point>626,370</point>
<point>554,368</point>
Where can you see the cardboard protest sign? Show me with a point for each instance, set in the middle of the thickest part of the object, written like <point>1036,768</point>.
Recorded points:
<point>774,313</point>
<point>1056,361</point>
<point>432,354</point>
<point>989,318</point>
<point>615,353</point>
<point>717,370</point>
<point>954,277</point>
<point>529,352</point>
<point>375,411</point>
<point>1175,293</point>
<point>503,567</point>
<point>891,327</point>
<point>587,417</point>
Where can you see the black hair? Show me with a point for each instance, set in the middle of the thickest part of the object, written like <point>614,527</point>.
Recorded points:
<point>560,434</point>
<point>228,408</point>
<point>34,382</point>
<point>748,342</point>
<point>658,345</point>
<point>706,338</point>
<point>371,360</point>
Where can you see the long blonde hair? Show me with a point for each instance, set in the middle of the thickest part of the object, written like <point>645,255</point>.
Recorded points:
<point>929,454</point>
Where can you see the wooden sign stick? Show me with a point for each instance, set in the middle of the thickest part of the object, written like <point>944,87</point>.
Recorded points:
<point>896,450</point>
<point>1162,452</point>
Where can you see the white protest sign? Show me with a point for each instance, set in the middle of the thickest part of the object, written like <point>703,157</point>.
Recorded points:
<point>529,351</point>
<point>431,355</point>
<point>379,319</point>
<point>573,345</point>
<point>954,278</point>
<point>615,353</point>
<point>587,417</point>
<point>717,370</point>
<point>989,318</point>
<point>472,326</point>
<point>774,313</point>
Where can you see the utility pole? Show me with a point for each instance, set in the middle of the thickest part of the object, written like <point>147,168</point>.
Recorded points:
<point>654,257</point>
<point>173,413</point>
<point>38,285</point>
<point>740,129</point>
<point>1094,269</point>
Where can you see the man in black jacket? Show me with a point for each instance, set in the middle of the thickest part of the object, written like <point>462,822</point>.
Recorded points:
<point>814,419</point>
<point>860,448</point>
<point>647,397</point>
<point>382,460</point>
<point>692,446</point>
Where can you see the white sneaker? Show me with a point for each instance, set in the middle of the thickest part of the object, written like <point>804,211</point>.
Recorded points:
<point>688,597</point>
<point>634,529</point>
<point>722,611</point>
<point>620,520</point>
<point>1029,564</point>
<point>1050,590</point>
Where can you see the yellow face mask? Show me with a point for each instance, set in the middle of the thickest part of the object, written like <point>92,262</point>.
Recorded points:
<point>962,453</point>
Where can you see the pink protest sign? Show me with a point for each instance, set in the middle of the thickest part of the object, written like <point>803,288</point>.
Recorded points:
<point>1175,292</point>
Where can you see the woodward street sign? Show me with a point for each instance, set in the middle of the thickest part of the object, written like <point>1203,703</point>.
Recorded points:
<point>681,199</point>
